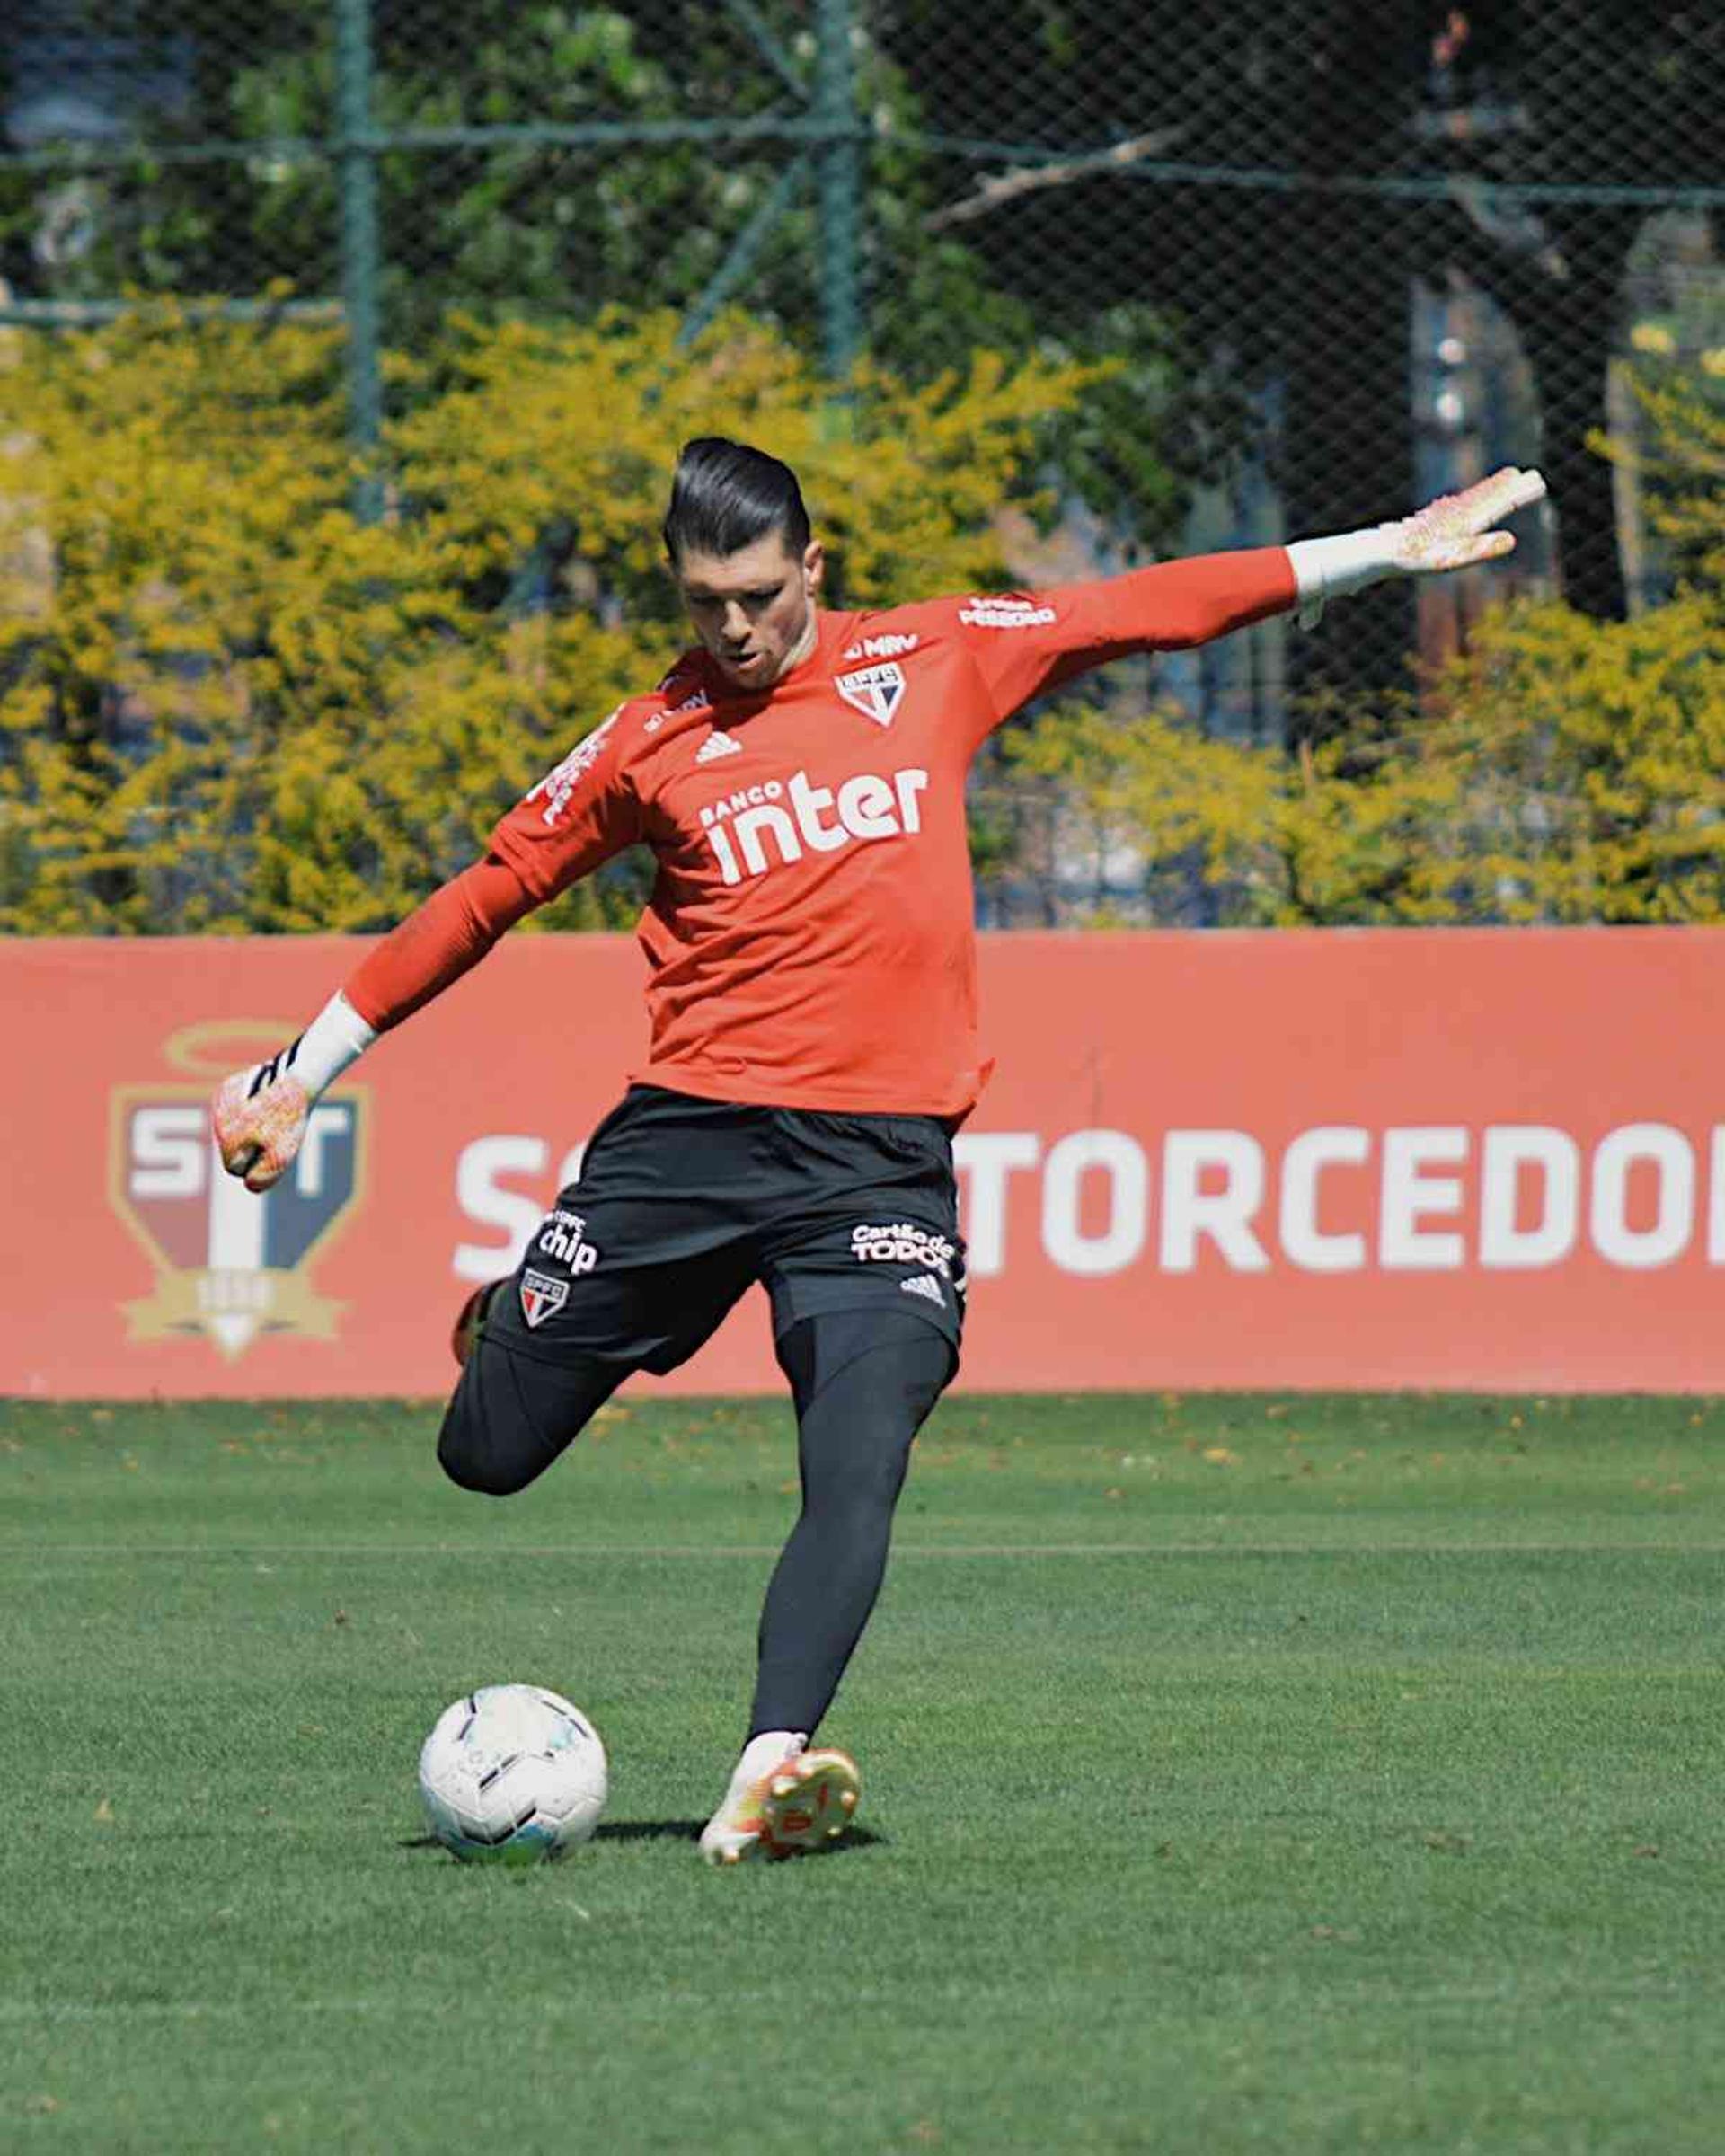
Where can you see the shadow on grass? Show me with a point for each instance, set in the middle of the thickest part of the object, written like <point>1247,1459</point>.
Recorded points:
<point>679,1830</point>
<point>689,1830</point>
<point>649,1830</point>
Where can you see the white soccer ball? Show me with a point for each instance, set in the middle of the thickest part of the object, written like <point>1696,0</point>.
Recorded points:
<point>512,1773</point>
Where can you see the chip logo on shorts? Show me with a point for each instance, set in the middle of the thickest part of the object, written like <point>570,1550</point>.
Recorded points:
<point>542,1296</point>
<point>564,1236</point>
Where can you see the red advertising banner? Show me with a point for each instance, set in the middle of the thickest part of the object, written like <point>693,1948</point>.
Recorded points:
<point>1434,1159</point>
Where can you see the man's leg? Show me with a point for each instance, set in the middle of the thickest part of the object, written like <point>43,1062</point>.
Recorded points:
<point>512,1414</point>
<point>864,1382</point>
<point>633,1268</point>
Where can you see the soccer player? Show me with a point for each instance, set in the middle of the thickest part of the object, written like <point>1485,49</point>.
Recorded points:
<point>799,776</point>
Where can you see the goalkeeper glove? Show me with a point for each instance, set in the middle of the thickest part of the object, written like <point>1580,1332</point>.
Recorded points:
<point>259,1114</point>
<point>1454,531</point>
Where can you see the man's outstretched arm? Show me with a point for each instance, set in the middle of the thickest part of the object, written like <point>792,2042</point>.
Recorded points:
<point>582,811</point>
<point>1028,643</point>
<point>260,1115</point>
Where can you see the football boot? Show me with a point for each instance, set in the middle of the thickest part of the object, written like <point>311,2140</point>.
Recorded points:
<point>800,1803</point>
<point>470,1322</point>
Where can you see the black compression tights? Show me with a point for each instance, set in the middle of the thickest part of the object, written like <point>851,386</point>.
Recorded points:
<point>864,1382</point>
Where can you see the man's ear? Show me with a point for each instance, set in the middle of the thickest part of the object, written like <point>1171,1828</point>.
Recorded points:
<point>814,566</point>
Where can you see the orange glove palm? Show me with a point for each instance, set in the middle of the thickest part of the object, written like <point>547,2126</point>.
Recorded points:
<point>258,1119</point>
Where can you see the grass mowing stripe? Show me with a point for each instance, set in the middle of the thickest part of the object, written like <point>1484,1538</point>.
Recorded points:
<point>428,2006</point>
<point>655,1551</point>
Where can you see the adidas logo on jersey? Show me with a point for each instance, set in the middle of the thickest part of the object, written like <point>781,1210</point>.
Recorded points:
<point>925,1286</point>
<point>717,744</point>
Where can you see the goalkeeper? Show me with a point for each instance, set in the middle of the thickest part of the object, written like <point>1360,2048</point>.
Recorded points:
<point>812,993</point>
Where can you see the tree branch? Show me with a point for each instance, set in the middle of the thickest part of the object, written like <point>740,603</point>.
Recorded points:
<point>1007,187</point>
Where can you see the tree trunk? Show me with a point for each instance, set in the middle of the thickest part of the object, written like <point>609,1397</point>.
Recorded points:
<point>1571,327</point>
<point>1347,457</point>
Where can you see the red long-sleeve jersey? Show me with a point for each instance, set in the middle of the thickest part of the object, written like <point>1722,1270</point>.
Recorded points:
<point>809,938</point>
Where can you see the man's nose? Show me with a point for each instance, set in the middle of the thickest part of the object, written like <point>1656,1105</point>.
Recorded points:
<point>736,623</point>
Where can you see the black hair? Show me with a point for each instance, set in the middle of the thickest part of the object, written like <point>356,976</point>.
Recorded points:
<point>725,495</point>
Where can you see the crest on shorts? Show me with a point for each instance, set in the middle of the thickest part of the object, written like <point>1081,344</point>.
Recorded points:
<point>874,691</point>
<point>542,1295</point>
<point>231,1265</point>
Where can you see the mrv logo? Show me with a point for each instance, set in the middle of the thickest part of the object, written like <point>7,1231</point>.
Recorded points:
<point>796,815</point>
<point>229,1264</point>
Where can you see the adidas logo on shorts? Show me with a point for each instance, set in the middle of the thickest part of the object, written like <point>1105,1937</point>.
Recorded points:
<point>717,744</point>
<point>925,1286</point>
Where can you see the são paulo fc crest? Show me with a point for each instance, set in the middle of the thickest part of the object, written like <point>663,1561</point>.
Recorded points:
<point>874,691</point>
<point>542,1296</point>
<point>230,1266</point>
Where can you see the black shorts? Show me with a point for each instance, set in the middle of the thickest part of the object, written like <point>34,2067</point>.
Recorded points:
<point>681,1205</point>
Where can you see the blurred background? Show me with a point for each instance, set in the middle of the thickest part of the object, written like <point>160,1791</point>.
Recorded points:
<point>1030,290</point>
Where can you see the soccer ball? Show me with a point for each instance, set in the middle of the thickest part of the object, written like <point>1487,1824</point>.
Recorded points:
<point>512,1773</point>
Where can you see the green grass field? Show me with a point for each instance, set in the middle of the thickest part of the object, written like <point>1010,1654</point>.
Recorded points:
<point>1239,1774</point>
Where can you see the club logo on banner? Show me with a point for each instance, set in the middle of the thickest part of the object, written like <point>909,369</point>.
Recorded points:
<point>230,1264</point>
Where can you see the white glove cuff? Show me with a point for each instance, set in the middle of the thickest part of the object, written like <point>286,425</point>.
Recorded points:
<point>336,1036</point>
<point>1327,568</point>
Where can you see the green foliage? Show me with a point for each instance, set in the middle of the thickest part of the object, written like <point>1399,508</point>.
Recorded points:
<point>1683,468</point>
<point>1565,771</point>
<point>516,225</point>
<point>1562,770</point>
<point>226,705</point>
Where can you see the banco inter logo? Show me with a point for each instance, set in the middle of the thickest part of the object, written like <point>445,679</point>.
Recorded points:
<point>795,817</point>
<point>231,1266</point>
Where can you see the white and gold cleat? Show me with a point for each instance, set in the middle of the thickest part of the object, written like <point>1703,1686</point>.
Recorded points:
<point>810,1802</point>
<point>802,1801</point>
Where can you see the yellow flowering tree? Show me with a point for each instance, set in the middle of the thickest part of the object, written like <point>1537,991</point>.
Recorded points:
<point>228,704</point>
<point>1680,464</point>
<point>1567,770</point>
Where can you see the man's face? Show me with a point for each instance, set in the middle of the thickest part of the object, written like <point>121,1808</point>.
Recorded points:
<point>753,610</point>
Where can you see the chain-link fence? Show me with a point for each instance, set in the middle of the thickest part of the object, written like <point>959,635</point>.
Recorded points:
<point>1342,255</point>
